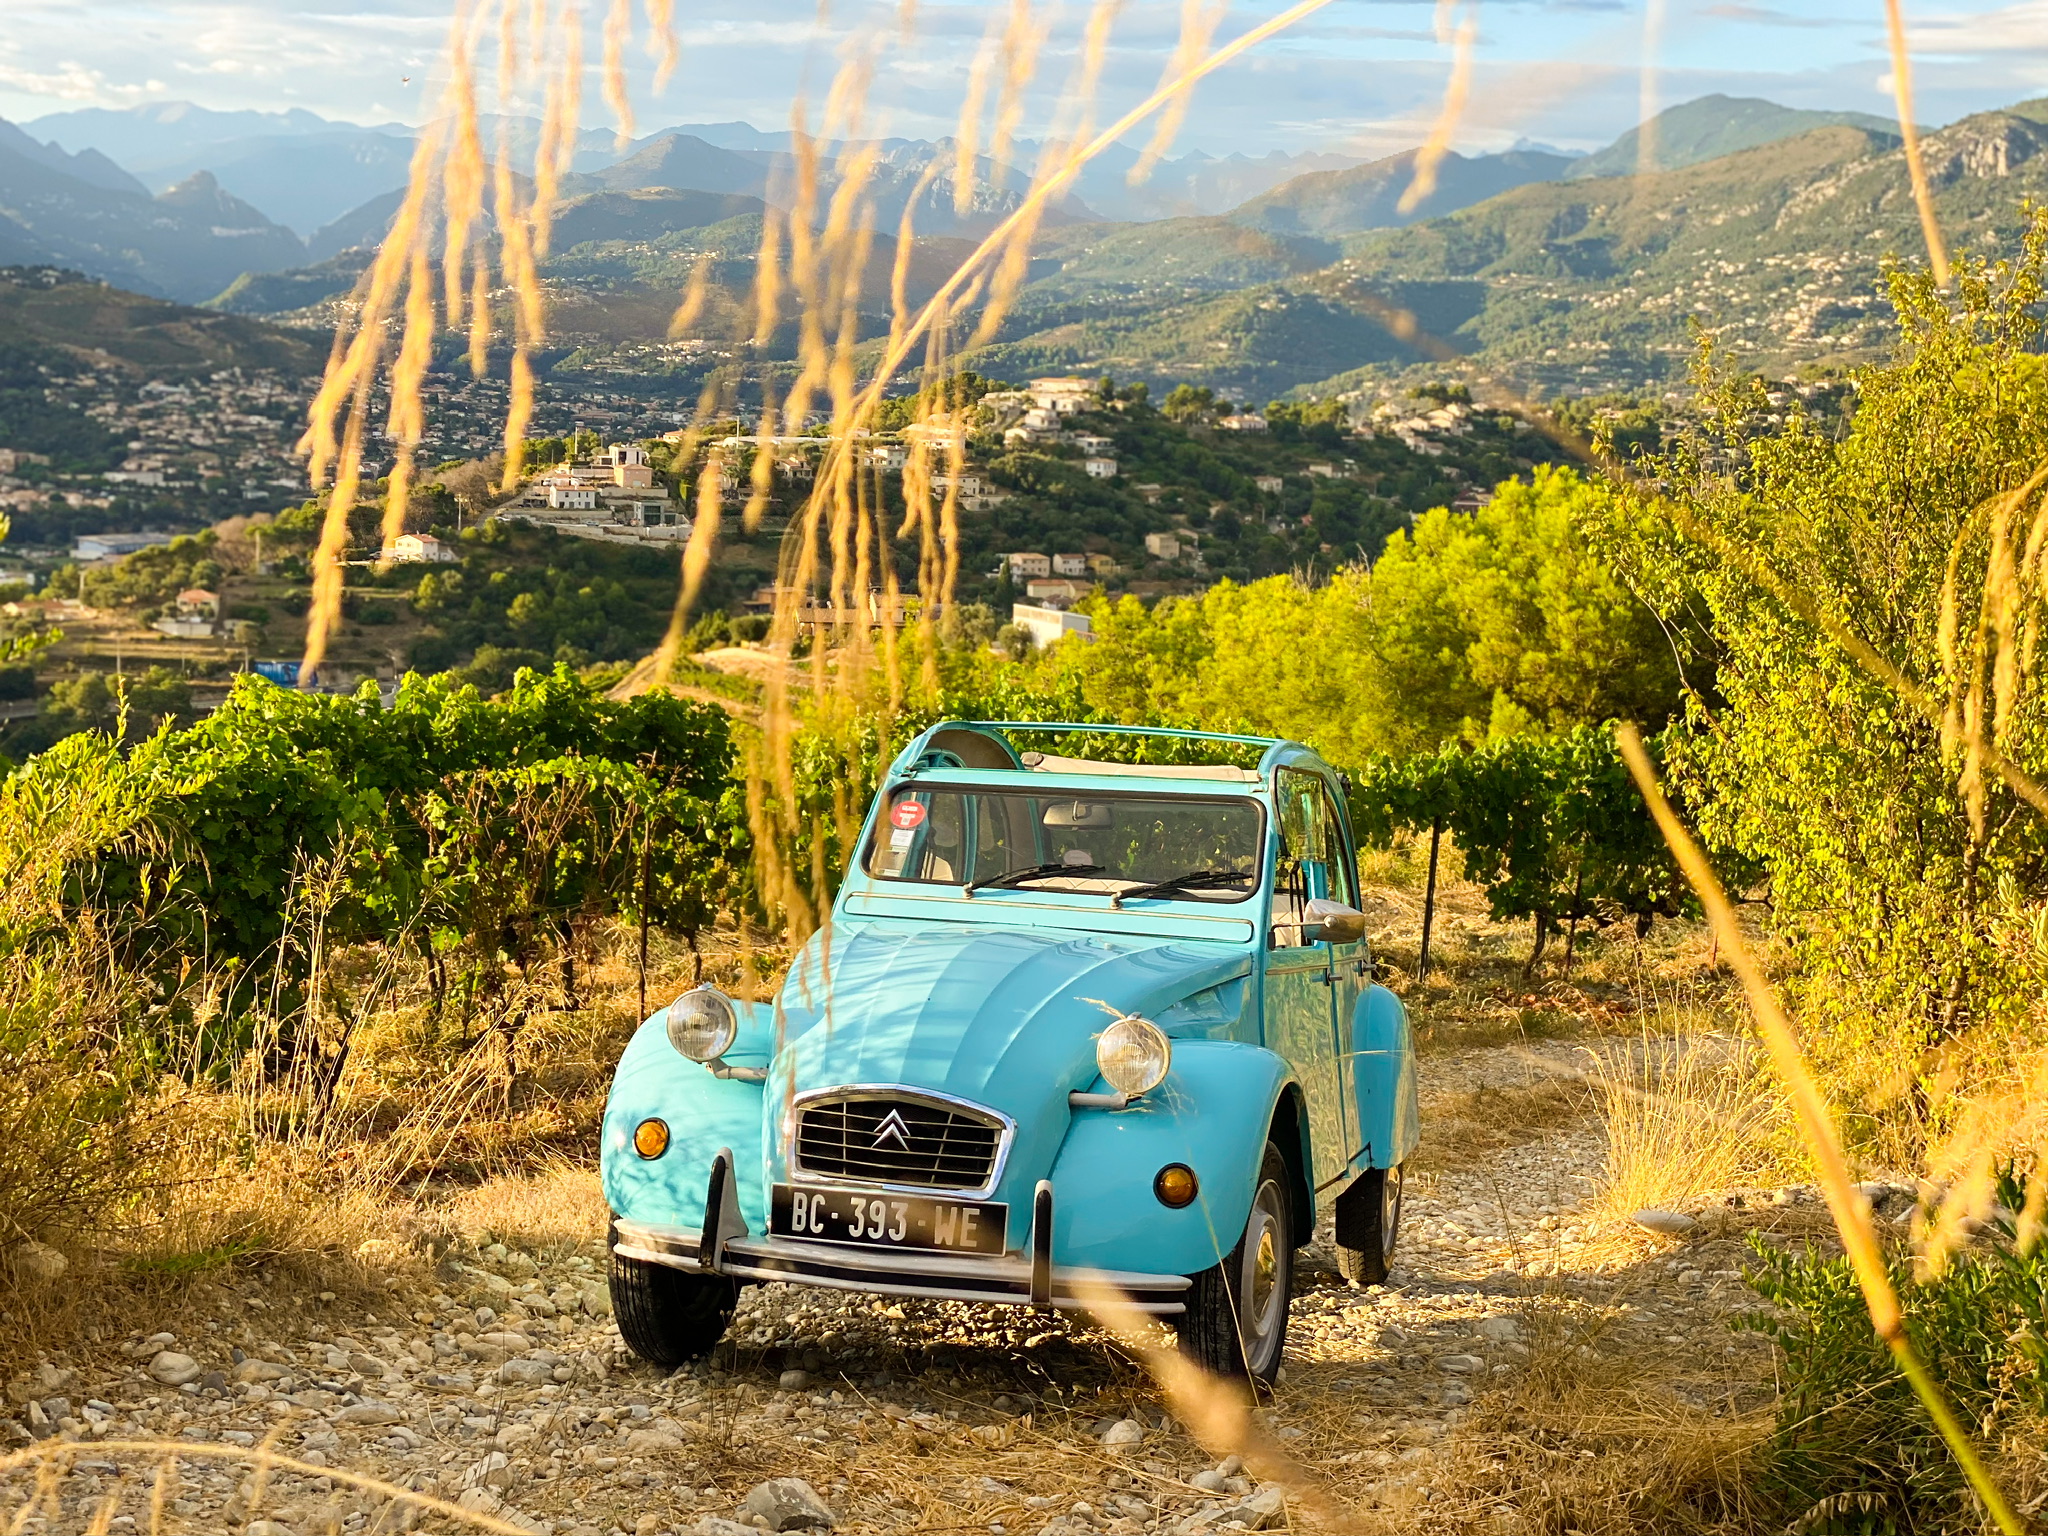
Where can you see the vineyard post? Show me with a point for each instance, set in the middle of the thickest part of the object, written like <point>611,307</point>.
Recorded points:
<point>1436,832</point>
<point>646,881</point>
<point>1571,937</point>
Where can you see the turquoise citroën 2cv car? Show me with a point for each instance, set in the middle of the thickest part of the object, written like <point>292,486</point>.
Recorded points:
<point>1072,1022</point>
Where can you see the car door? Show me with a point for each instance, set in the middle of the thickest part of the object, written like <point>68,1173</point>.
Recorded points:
<point>1300,1019</point>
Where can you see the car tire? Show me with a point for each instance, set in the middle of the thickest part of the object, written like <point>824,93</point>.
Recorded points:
<point>1368,1225</point>
<point>1236,1320</point>
<point>669,1317</point>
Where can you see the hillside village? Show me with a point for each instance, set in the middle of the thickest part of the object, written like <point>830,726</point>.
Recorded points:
<point>1067,485</point>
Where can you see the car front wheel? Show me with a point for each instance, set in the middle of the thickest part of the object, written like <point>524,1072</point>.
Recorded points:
<point>669,1317</point>
<point>1236,1319</point>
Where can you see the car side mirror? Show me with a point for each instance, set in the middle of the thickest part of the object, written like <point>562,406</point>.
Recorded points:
<point>1331,922</point>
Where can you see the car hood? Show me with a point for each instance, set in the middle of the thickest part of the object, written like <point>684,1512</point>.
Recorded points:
<point>1001,1016</point>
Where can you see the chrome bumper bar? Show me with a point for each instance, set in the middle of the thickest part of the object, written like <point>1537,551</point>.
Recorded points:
<point>1007,1281</point>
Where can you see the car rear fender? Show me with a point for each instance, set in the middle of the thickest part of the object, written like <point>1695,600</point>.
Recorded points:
<point>1383,1075</point>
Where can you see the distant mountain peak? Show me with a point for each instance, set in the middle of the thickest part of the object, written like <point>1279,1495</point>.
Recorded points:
<point>1327,204</point>
<point>1709,127</point>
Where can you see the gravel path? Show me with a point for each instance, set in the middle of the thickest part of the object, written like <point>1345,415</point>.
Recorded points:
<point>506,1390</point>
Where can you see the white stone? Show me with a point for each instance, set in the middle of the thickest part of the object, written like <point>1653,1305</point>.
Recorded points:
<point>787,1504</point>
<point>1666,1223</point>
<point>646,1442</point>
<point>1500,1330</point>
<point>173,1369</point>
<point>1460,1365</point>
<point>367,1412</point>
<point>1263,1511</point>
<point>1123,1434</point>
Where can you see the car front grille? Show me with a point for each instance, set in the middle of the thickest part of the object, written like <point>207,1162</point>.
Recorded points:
<point>895,1140</point>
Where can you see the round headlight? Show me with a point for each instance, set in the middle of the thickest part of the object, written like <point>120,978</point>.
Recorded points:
<point>1133,1055</point>
<point>702,1023</point>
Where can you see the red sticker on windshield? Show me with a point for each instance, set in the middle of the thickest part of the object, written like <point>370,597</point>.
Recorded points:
<point>906,814</point>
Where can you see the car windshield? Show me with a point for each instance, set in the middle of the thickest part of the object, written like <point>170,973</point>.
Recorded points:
<point>1203,850</point>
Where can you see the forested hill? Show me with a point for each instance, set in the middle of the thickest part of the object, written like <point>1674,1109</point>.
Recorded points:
<point>1575,283</point>
<point>48,307</point>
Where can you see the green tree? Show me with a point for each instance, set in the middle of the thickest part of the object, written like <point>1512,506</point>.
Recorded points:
<point>127,708</point>
<point>1474,627</point>
<point>1508,620</point>
<point>1914,923</point>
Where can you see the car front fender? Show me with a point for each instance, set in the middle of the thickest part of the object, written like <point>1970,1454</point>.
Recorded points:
<point>1383,1077</point>
<point>1213,1113</point>
<point>704,1114</point>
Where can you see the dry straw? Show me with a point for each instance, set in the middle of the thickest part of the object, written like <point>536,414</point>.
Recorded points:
<point>1902,91</point>
<point>1460,38</point>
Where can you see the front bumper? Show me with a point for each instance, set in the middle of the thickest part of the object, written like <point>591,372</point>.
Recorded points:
<point>880,1272</point>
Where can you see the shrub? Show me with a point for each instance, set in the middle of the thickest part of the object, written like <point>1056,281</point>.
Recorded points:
<point>1853,1450</point>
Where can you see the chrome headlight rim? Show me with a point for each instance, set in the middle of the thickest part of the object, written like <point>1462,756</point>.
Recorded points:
<point>1133,1055</point>
<point>702,1024</point>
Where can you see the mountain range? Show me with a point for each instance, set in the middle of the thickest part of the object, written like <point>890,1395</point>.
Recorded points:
<point>1768,224</point>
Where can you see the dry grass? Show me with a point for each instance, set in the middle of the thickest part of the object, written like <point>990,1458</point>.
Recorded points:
<point>553,1208</point>
<point>1688,1116</point>
<point>1467,1129</point>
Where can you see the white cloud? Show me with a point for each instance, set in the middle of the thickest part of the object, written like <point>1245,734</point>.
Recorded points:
<point>1974,34</point>
<point>73,83</point>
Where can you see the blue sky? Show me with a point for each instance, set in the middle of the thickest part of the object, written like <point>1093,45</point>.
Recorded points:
<point>1361,76</point>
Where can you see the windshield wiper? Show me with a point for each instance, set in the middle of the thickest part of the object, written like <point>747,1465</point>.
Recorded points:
<point>1193,880</point>
<point>1035,872</point>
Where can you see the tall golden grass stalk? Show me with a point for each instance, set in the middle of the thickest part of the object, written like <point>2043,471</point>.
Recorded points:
<point>1461,39</point>
<point>1846,1203</point>
<point>1902,91</point>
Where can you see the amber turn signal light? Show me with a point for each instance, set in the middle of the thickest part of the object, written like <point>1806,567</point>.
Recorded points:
<point>650,1138</point>
<point>1175,1185</point>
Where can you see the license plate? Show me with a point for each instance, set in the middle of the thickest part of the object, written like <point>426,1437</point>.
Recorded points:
<point>875,1220</point>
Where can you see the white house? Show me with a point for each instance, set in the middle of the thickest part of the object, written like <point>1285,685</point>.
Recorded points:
<point>1024,566</point>
<point>629,466</point>
<point>409,547</point>
<point>1164,546</point>
<point>1099,468</point>
<point>1070,565</point>
<point>1048,625</point>
<point>1093,442</point>
<point>889,456</point>
<point>111,546</point>
<point>1062,396</point>
<point>572,498</point>
<point>1056,591</point>
<point>1272,485</point>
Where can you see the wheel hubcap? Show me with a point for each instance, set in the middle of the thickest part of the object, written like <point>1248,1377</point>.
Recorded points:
<point>1262,1298</point>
